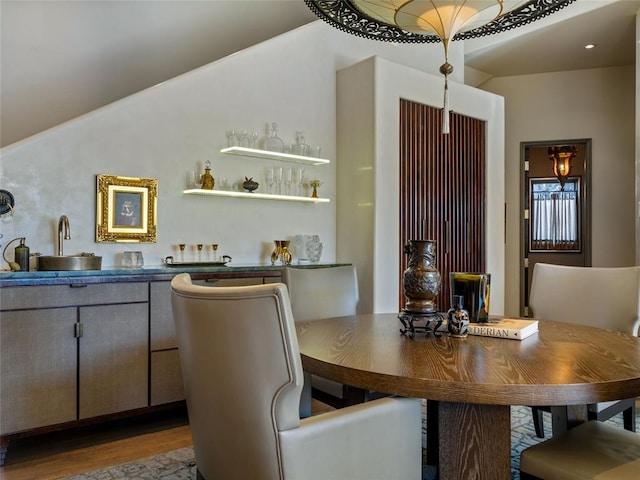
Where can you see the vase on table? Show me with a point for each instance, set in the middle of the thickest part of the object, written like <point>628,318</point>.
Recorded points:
<point>475,288</point>
<point>458,318</point>
<point>421,280</point>
<point>281,252</point>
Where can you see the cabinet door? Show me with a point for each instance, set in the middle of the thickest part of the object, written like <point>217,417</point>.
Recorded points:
<point>166,377</point>
<point>163,332</point>
<point>37,368</point>
<point>442,190</point>
<point>114,358</point>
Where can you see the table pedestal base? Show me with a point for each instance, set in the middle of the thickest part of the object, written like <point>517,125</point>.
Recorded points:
<point>476,442</point>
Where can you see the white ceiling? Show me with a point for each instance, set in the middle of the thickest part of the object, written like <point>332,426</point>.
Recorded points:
<point>61,59</point>
<point>557,42</point>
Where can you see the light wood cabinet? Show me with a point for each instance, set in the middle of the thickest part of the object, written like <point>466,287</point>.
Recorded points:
<point>77,353</point>
<point>67,350</point>
<point>114,359</point>
<point>38,365</point>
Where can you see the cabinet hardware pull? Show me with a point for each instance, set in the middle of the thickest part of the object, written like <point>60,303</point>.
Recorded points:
<point>212,280</point>
<point>78,330</point>
<point>78,285</point>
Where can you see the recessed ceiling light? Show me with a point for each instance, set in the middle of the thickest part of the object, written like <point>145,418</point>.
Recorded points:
<point>589,46</point>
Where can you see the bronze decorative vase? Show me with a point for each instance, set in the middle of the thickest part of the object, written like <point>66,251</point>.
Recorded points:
<point>421,280</point>
<point>281,252</point>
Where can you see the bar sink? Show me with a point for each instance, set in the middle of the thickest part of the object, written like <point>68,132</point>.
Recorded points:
<point>82,261</point>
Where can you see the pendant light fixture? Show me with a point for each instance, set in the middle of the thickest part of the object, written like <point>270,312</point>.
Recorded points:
<point>430,21</point>
<point>561,157</point>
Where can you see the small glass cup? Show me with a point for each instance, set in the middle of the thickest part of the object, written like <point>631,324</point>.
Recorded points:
<point>132,259</point>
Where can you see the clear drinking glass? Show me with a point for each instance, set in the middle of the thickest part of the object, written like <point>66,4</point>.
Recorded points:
<point>287,179</point>
<point>297,174</point>
<point>269,178</point>
<point>277,179</point>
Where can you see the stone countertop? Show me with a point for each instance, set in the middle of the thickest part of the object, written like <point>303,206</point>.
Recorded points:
<point>150,273</point>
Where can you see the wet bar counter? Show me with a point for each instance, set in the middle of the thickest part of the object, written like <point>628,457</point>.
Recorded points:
<point>80,347</point>
<point>145,274</point>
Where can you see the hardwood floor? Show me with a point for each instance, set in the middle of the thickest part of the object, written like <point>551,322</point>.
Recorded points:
<point>61,454</point>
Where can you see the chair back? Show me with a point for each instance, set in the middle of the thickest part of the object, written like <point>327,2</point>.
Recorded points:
<point>322,292</point>
<point>242,373</point>
<point>604,297</point>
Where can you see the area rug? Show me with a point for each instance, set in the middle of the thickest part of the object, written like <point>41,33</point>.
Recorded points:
<point>180,464</point>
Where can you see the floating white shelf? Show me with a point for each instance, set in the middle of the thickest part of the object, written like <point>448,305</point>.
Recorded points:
<point>285,157</point>
<point>256,196</point>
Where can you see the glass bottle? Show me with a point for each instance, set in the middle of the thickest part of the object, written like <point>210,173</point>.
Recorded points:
<point>273,143</point>
<point>207,179</point>
<point>458,318</point>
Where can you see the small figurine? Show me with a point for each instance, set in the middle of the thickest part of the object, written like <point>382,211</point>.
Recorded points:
<point>315,184</point>
<point>249,184</point>
<point>458,318</point>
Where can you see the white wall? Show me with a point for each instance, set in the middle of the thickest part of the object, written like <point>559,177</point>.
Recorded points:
<point>164,131</point>
<point>369,96</point>
<point>597,104</point>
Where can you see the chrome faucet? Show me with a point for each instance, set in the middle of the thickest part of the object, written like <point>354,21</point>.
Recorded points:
<point>63,224</point>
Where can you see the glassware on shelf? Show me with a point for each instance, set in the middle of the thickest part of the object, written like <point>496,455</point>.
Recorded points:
<point>253,139</point>
<point>273,143</point>
<point>207,179</point>
<point>300,147</point>
<point>277,179</point>
<point>243,139</point>
<point>269,178</point>
<point>182,246</point>
<point>287,180</point>
<point>297,180</point>
<point>199,247</point>
<point>223,183</point>
<point>214,248</point>
<point>194,179</point>
<point>232,138</point>
<point>314,151</point>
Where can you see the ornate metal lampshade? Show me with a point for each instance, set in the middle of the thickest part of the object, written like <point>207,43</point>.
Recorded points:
<point>429,21</point>
<point>561,157</point>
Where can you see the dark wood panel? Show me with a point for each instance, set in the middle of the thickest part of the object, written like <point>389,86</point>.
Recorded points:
<point>442,190</point>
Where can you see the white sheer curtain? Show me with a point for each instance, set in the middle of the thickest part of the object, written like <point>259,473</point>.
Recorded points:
<point>555,220</point>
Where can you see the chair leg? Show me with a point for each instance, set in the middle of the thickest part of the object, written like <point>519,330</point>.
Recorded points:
<point>432,433</point>
<point>629,418</point>
<point>538,421</point>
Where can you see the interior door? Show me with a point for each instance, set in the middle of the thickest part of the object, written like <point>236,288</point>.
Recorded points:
<point>556,218</point>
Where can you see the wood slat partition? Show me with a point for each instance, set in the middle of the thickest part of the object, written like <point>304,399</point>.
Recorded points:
<point>442,190</point>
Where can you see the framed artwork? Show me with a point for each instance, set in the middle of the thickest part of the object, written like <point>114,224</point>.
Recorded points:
<point>126,209</point>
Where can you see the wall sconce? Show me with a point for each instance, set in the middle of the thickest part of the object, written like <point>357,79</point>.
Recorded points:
<point>561,157</point>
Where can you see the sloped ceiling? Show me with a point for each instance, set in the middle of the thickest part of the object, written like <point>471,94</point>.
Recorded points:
<point>61,59</point>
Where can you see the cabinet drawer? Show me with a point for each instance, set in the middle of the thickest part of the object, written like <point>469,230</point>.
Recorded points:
<point>43,296</point>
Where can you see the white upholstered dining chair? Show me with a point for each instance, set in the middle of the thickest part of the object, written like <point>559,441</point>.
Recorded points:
<point>243,379</point>
<point>593,450</point>
<point>318,293</point>
<point>593,296</point>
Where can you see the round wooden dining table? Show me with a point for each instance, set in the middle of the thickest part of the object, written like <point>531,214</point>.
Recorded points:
<point>472,382</point>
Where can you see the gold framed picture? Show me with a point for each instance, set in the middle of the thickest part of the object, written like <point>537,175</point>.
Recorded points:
<point>126,209</point>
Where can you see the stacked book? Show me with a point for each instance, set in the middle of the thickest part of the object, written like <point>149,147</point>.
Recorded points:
<point>511,328</point>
